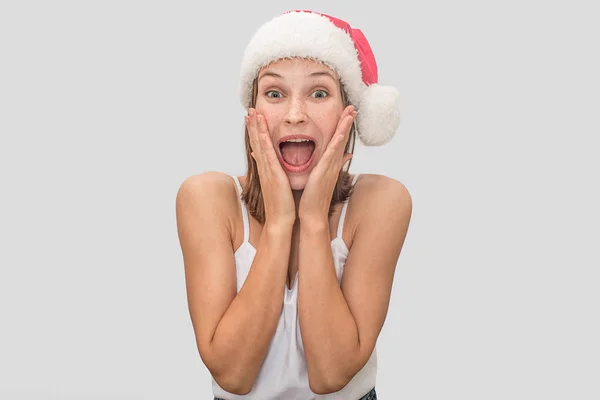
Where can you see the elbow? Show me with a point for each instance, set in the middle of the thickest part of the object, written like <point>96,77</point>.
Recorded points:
<point>327,385</point>
<point>232,377</point>
<point>331,379</point>
<point>234,380</point>
<point>234,384</point>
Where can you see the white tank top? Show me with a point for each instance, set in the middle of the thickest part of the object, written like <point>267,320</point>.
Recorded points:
<point>283,374</point>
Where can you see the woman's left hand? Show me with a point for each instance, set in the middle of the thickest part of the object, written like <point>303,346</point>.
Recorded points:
<point>316,198</point>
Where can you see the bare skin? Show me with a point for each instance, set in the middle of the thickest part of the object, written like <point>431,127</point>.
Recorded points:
<point>340,322</point>
<point>256,227</point>
<point>210,229</point>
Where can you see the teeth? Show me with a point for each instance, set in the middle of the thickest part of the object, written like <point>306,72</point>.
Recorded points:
<point>298,140</point>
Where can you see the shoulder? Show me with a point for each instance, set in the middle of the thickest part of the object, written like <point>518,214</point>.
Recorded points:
<point>375,188</point>
<point>206,184</point>
<point>380,195</point>
<point>213,178</point>
<point>211,190</point>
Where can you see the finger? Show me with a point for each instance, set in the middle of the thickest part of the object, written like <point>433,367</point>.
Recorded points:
<point>259,141</point>
<point>269,149</point>
<point>335,149</point>
<point>344,128</point>
<point>250,136</point>
<point>254,143</point>
<point>345,124</point>
<point>349,110</point>
<point>260,144</point>
<point>263,133</point>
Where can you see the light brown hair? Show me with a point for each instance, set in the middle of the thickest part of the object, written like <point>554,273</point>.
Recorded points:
<point>252,194</point>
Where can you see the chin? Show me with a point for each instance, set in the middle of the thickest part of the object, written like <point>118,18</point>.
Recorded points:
<point>298,181</point>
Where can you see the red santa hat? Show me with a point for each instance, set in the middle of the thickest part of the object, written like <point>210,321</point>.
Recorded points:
<point>344,49</point>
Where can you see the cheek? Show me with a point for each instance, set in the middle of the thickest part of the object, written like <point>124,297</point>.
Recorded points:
<point>327,119</point>
<point>272,123</point>
<point>272,116</point>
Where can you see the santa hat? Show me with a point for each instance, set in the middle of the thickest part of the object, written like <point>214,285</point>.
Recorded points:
<point>344,49</point>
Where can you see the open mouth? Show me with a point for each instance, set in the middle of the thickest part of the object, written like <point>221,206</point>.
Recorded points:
<point>297,153</point>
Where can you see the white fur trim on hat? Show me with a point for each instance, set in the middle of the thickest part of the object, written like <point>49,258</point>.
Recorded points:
<point>302,34</point>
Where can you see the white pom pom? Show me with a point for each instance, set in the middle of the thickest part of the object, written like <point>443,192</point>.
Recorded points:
<point>378,115</point>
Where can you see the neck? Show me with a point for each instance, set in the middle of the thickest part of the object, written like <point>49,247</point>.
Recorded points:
<point>297,194</point>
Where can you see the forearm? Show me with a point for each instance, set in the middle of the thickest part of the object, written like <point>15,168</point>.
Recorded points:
<point>329,332</point>
<point>242,337</point>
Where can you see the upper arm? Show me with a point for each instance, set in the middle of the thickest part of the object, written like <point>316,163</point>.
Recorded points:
<point>205,238</point>
<point>371,263</point>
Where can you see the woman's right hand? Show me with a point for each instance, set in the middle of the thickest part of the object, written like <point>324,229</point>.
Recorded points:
<point>275,184</point>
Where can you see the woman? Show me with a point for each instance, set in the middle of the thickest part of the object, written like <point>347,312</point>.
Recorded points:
<point>289,268</point>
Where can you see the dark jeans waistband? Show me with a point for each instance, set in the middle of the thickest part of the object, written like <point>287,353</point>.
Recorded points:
<point>372,395</point>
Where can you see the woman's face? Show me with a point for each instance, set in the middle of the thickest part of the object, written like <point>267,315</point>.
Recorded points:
<point>299,97</point>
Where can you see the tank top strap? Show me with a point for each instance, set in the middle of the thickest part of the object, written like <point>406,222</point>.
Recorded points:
<point>244,209</point>
<point>343,214</point>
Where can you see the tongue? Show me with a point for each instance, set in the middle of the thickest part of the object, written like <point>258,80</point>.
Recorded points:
<point>297,153</point>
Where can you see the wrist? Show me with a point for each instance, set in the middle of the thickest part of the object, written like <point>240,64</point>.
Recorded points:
<point>314,223</point>
<point>278,228</point>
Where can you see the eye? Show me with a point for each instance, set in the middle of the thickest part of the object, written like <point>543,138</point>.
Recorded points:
<point>320,94</point>
<point>274,94</point>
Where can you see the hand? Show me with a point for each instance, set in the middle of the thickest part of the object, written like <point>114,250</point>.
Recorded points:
<point>316,198</point>
<point>274,182</point>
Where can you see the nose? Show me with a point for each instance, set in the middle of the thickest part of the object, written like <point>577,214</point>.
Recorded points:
<point>295,113</point>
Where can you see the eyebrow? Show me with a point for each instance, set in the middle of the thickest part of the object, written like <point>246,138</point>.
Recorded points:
<point>314,74</point>
<point>269,73</point>
<point>323,73</point>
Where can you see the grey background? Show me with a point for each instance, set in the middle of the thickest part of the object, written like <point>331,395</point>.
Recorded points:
<point>107,106</point>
